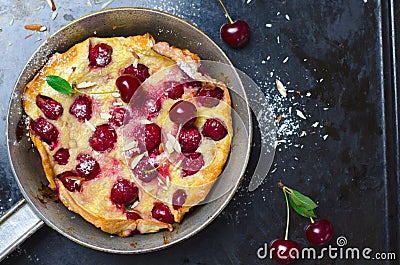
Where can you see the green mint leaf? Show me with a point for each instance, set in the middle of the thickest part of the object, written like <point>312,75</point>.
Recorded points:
<point>59,84</point>
<point>302,204</point>
<point>301,210</point>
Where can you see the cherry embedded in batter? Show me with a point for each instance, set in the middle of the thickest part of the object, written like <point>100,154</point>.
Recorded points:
<point>87,167</point>
<point>81,108</point>
<point>162,213</point>
<point>127,86</point>
<point>61,156</point>
<point>152,134</point>
<point>145,170</point>
<point>152,107</point>
<point>163,168</point>
<point>192,163</point>
<point>209,97</point>
<point>70,180</point>
<point>183,112</point>
<point>124,192</point>
<point>51,108</point>
<point>140,71</point>
<point>176,92</point>
<point>132,216</point>
<point>46,131</point>
<point>215,129</point>
<point>103,138</point>
<point>118,116</point>
<point>178,199</point>
<point>100,55</point>
<point>189,139</point>
<point>191,85</point>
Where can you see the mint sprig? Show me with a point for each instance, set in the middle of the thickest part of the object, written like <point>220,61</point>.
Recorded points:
<point>302,204</point>
<point>59,84</point>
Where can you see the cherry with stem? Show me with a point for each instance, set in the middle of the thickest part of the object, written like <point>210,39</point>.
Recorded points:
<point>235,33</point>
<point>319,232</point>
<point>285,251</point>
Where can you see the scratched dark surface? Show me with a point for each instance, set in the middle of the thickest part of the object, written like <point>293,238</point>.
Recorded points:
<point>338,51</point>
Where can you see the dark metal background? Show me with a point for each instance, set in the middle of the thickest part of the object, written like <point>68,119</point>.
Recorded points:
<point>353,174</point>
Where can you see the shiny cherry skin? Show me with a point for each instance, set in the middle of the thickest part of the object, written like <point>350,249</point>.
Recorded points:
<point>284,251</point>
<point>215,129</point>
<point>320,232</point>
<point>124,192</point>
<point>235,34</point>
<point>127,86</point>
<point>140,71</point>
<point>145,170</point>
<point>162,213</point>
<point>183,112</point>
<point>70,180</point>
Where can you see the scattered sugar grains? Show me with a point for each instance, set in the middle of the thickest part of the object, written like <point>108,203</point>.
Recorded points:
<point>291,120</point>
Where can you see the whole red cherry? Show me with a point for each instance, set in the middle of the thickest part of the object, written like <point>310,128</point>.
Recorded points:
<point>319,232</point>
<point>284,251</point>
<point>236,33</point>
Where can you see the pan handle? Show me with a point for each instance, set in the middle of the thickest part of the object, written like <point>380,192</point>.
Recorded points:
<point>16,225</point>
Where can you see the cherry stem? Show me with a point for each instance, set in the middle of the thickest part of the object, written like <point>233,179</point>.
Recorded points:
<point>75,89</point>
<point>226,12</point>
<point>287,214</point>
<point>155,168</point>
<point>312,220</point>
<point>94,93</point>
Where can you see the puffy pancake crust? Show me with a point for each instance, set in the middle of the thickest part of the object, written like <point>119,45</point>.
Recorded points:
<point>93,201</point>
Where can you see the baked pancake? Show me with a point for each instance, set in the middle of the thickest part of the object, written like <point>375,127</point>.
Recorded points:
<point>140,139</point>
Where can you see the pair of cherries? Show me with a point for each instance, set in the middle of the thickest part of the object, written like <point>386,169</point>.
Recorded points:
<point>318,233</point>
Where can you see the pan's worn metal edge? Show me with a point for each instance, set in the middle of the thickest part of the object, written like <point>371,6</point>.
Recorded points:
<point>389,85</point>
